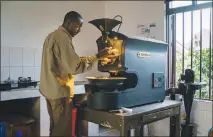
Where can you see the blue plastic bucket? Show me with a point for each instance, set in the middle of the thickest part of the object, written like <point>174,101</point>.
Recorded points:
<point>18,134</point>
<point>2,129</point>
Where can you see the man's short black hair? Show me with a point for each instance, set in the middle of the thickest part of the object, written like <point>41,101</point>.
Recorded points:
<point>72,16</point>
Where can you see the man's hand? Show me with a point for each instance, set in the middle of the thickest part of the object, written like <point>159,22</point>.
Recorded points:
<point>104,53</point>
<point>107,52</point>
<point>105,61</point>
<point>115,53</point>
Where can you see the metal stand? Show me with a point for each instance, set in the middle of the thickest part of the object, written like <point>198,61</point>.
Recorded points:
<point>136,119</point>
<point>186,87</point>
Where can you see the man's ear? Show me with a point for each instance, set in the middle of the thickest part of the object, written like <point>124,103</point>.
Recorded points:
<point>69,22</point>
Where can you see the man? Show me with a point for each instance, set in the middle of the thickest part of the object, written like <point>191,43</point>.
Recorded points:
<point>59,63</point>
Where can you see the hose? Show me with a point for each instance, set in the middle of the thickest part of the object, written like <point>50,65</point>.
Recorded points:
<point>121,21</point>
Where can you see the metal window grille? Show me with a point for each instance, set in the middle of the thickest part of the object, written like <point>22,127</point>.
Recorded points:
<point>194,50</point>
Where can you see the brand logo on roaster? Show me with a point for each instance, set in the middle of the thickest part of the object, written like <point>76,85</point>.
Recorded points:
<point>144,54</point>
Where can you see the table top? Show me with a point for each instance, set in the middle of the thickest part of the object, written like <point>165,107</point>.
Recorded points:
<point>149,108</point>
<point>32,92</point>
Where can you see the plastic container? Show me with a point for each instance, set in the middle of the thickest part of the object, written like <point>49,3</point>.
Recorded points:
<point>17,125</point>
<point>183,112</point>
<point>74,112</point>
<point>210,133</point>
<point>2,129</point>
<point>18,134</point>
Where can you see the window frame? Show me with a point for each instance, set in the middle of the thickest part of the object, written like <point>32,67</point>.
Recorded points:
<point>171,11</point>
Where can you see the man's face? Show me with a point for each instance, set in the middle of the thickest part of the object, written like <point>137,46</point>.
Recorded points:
<point>74,27</point>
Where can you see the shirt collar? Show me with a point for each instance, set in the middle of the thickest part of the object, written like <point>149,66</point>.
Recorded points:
<point>65,31</point>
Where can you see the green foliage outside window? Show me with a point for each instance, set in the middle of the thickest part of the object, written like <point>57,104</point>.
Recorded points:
<point>196,67</point>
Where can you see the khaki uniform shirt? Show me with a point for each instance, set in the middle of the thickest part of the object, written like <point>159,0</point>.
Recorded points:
<point>59,63</point>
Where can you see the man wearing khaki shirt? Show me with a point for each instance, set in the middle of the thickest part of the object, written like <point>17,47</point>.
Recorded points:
<point>59,63</point>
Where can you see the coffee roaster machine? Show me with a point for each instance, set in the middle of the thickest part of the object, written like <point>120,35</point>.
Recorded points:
<point>136,74</point>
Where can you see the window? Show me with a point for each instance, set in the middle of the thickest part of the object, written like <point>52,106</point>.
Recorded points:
<point>203,1</point>
<point>191,42</point>
<point>176,4</point>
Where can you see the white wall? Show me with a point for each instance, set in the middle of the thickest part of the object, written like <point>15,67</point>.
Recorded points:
<point>24,26</point>
<point>136,13</point>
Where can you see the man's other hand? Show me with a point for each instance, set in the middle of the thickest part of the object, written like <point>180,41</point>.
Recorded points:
<point>105,52</point>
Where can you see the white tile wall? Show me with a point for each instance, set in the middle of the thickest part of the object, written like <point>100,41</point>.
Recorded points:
<point>16,56</point>
<point>29,72</point>
<point>28,57</point>
<point>5,72</point>
<point>15,72</point>
<point>38,56</point>
<point>37,73</point>
<point>5,54</point>
<point>20,62</point>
